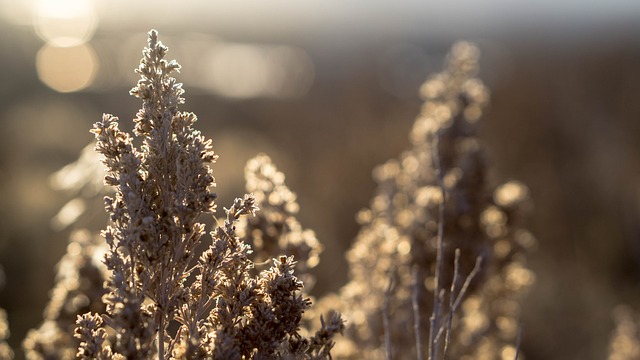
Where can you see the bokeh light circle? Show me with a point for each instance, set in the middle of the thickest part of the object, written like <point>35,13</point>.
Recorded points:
<point>67,69</point>
<point>64,23</point>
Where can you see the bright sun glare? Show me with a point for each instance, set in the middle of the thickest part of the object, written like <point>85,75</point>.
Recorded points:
<point>66,62</point>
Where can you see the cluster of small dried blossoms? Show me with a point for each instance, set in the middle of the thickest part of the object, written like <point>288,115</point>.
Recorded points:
<point>394,260</point>
<point>275,230</point>
<point>162,299</point>
<point>625,340</point>
<point>5,350</point>
<point>78,289</point>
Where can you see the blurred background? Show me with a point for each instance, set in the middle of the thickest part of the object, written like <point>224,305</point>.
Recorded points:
<point>329,90</point>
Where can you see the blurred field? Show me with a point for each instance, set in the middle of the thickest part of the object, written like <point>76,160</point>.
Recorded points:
<point>564,120</point>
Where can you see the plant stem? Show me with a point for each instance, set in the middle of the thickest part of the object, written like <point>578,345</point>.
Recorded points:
<point>161,338</point>
<point>433,346</point>
<point>385,318</point>
<point>416,312</point>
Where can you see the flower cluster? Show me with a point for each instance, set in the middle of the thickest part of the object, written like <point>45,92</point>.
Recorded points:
<point>164,298</point>
<point>275,230</point>
<point>625,340</point>
<point>5,349</point>
<point>434,225</point>
<point>78,289</point>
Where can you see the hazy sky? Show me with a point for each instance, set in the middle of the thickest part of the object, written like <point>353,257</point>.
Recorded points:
<point>420,17</point>
<point>349,18</point>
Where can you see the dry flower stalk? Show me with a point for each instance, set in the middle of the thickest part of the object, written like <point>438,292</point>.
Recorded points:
<point>625,340</point>
<point>157,284</point>
<point>6,353</point>
<point>79,282</point>
<point>417,213</point>
<point>275,230</point>
<point>78,289</point>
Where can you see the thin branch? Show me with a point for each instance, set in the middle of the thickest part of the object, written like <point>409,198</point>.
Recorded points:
<point>173,341</point>
<point>433,346</point>
<point>467,282</point>
<point>416,311</point>
<point>460,296</point>
<point>454,282</point>
<point>518,340</point>
<point>161,337</point>
<point>385,318</point>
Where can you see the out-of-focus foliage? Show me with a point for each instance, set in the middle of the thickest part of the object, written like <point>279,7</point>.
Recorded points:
<point>399,236</point>
<point>562,120</point>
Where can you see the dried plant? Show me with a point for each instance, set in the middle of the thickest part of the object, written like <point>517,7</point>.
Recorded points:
<point>78,289</point>
<point>82,181</point>
<point>5,350</point>
<point>6,353</point>
<point>625,340</point>
<point>163,301</point>
<point>431,201</point>
<point>436,271</point>
<point>275,230</point>
<point>437,239</point>
<point>80,273</point>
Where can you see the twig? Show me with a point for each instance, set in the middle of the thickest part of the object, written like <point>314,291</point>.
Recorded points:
<point>433,346</point>
<point>460,296</point>
<point>385,318</point>
<point>416,312</point>
<point>161,337</point>
<point>454,282</point>
<point>467,282</point>
<point>173,341</point>
<point>518,340</point>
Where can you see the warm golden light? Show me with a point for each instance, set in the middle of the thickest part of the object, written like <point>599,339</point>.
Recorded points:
<point>67,69</point>
<point>511,193</point>
<point>64,23</point>
<point>249,71</point>
<point>239,71</point>
<point>68,214</point>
